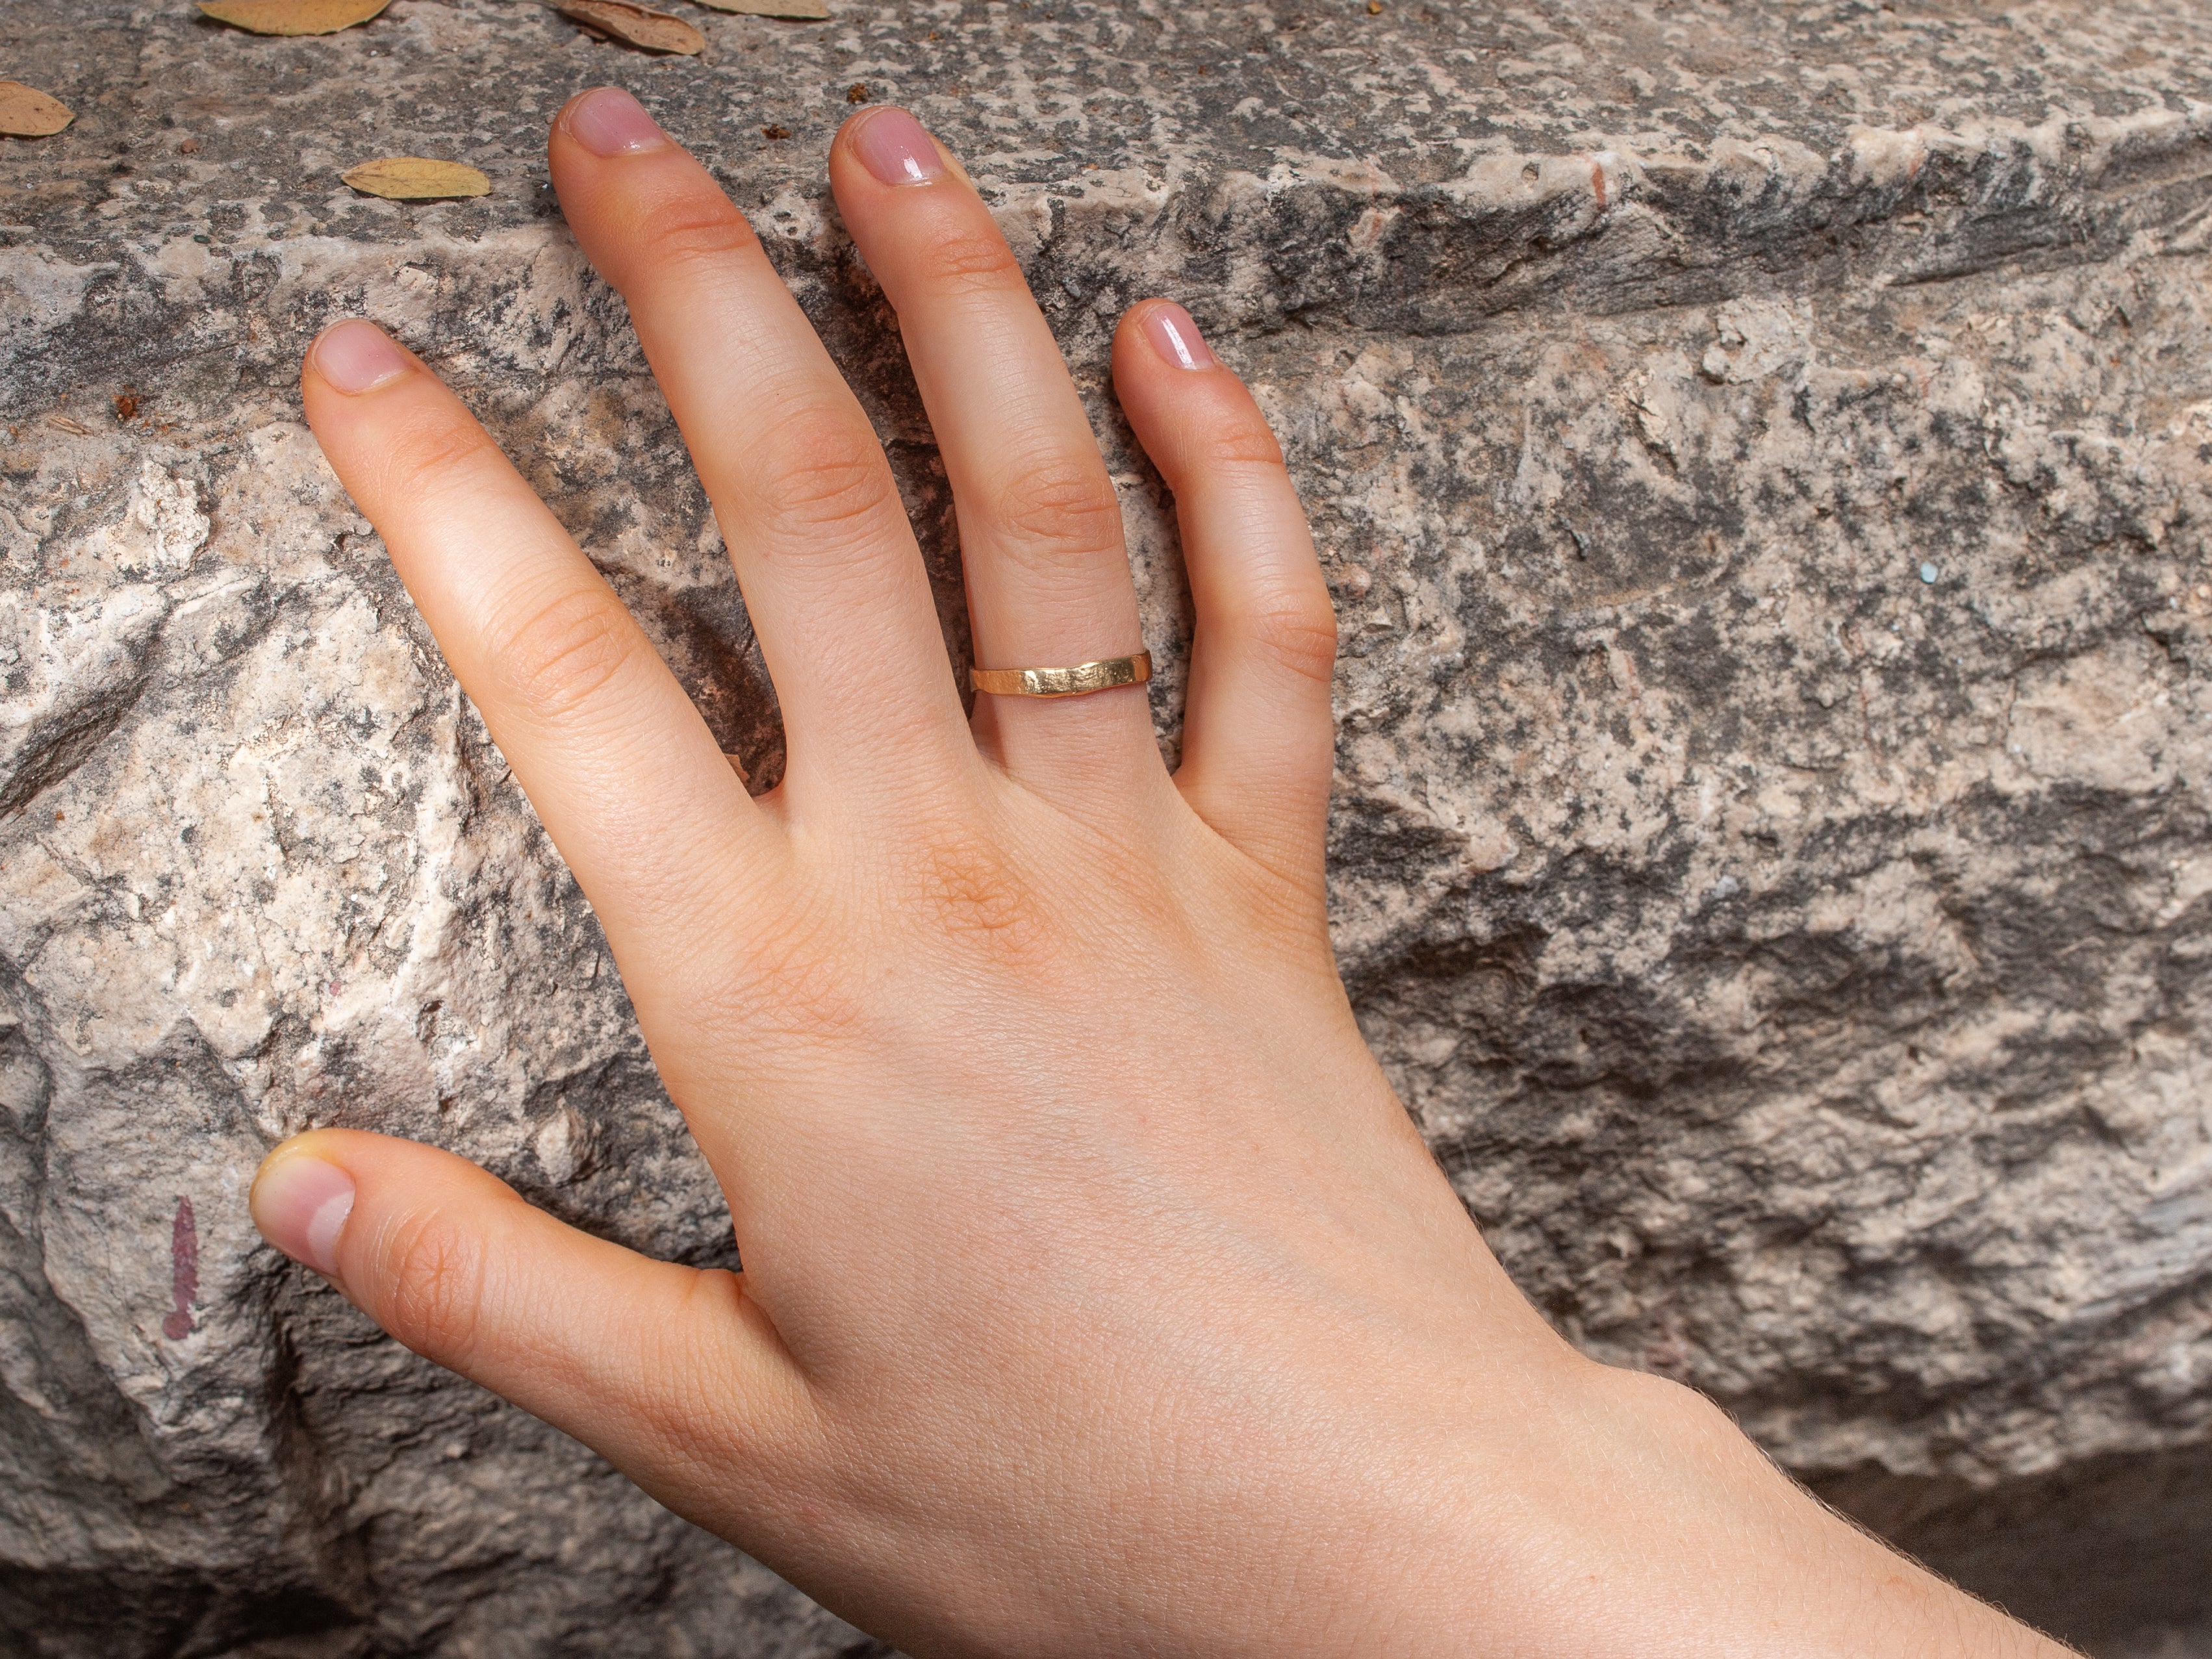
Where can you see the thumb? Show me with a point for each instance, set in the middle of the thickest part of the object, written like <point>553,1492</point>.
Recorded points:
<point>657,1367</point>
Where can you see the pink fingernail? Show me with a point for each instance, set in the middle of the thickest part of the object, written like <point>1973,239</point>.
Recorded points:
<point>608,121</point>
<point>301,1204</point>
<point>894,147</point>
<point>354,356</point>
<point>1176,339</point>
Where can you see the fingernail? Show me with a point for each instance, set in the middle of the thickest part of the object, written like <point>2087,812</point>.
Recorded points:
<point>608,121</point>
<point>1176,339</point>
<point>894,147</point>
<point>301,1204</point>
<point>355,356</point>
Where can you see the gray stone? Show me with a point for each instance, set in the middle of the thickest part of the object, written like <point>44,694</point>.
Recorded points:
<point>1762,457</point>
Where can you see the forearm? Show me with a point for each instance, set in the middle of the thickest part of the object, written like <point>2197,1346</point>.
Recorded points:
<point>1652,1526</point>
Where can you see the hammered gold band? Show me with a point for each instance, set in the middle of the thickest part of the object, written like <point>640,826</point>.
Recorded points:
<point>1079,681</point>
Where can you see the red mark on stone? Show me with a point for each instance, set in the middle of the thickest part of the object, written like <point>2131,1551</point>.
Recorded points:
<point>183,1272</point>
<point>1597,182</point>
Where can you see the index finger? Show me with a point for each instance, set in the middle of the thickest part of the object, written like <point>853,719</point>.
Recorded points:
<point>623,771</point>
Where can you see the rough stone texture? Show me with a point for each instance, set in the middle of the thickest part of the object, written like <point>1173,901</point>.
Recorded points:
<point>1762,455</point>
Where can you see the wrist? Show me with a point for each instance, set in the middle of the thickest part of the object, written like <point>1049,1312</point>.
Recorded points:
<point>1644,1523</point>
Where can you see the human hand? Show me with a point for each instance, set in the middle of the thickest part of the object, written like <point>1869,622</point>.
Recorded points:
<point>1098,1296</point>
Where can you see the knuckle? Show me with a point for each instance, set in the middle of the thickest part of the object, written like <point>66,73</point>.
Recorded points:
<point>820,474</point>
<point>1296,633</point>
<point>692,229</point>
<point>431,1295</point>
<point>788,983</point>
<point>1237,444</point>
<point>1060,504</point>
<point>701,1407</point>
<point>568,651</point>
<point>437,450</point>
<point>972,893</point>
<point>803,998</point>
<point>965,259</point>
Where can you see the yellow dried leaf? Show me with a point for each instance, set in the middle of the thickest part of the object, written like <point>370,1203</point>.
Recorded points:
<point>799,11</point>
<point>634,26</point>
<point>416,179</point>
<point>26,112</point>
<point>293,17</point>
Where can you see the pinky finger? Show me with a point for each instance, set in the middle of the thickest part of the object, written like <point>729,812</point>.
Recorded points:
<point>1258,740</point>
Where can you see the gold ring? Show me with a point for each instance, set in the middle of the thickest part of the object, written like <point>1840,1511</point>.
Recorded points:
<point>1079,681</point>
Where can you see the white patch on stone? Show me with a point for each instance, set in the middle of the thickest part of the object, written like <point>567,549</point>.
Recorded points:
<point>162,527</point>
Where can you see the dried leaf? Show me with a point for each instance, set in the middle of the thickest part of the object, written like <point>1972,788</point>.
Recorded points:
<point>292,17</point>
<point>634,26</point>
<point>416,179</point>
<point>26,112</point>
<point>799,11</point>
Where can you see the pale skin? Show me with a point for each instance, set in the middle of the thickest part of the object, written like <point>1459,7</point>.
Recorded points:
<point>1098,1296</point>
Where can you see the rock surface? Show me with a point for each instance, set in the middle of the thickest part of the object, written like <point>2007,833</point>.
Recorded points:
<point>1764,458</point>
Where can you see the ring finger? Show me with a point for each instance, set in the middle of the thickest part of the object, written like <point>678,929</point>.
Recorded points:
<point>1049,582</point>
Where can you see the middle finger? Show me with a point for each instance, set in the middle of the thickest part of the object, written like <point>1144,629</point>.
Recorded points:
<point>831,575</point>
